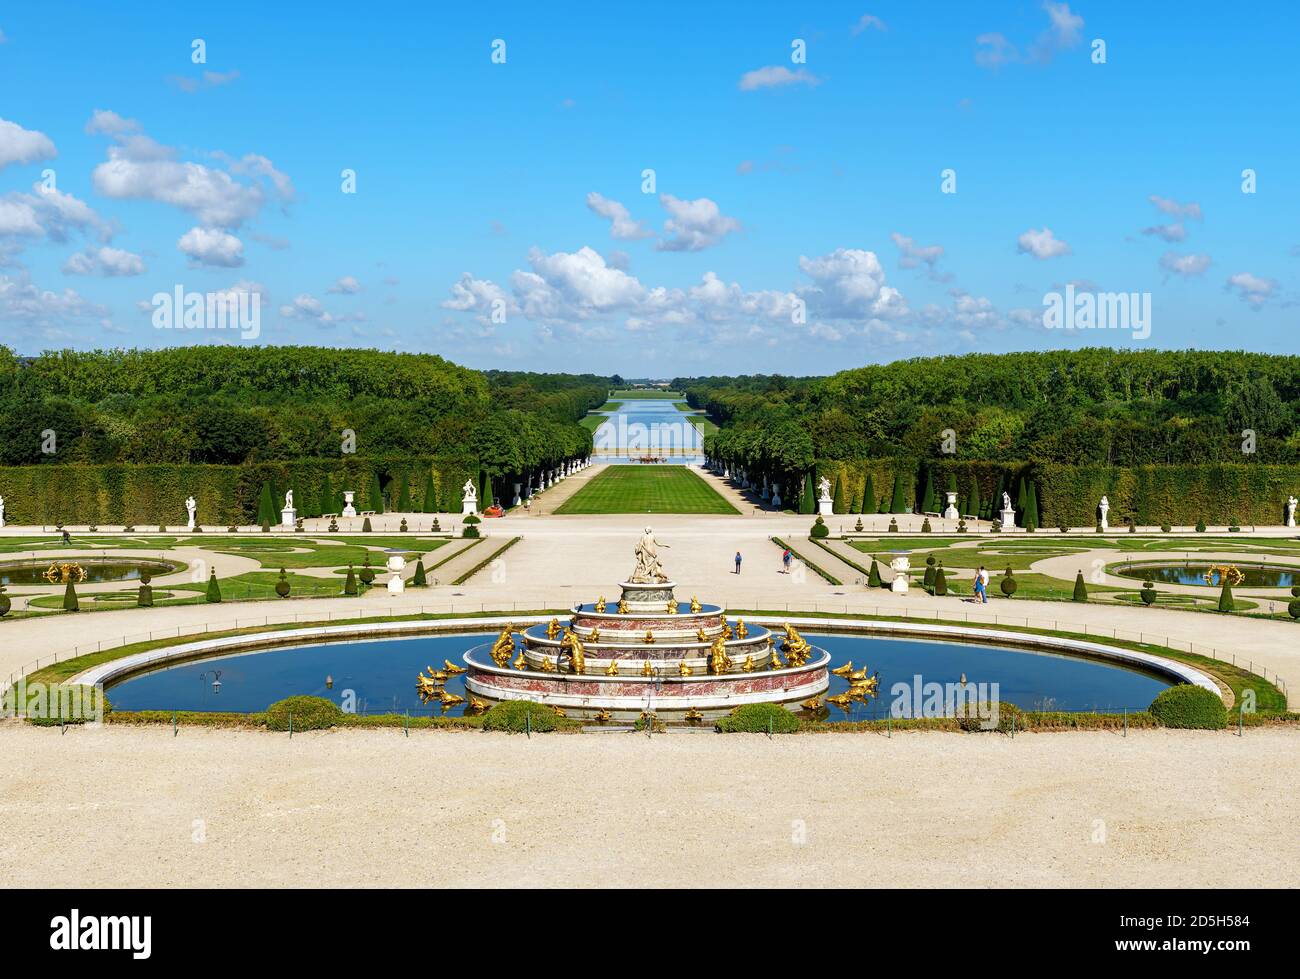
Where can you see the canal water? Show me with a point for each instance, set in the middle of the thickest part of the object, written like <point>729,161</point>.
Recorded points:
<point>648,428</point>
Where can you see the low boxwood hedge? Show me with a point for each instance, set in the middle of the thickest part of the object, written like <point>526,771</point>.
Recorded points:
<point>756,718</point>
<point>1189,706</point>
<point>308,714</point>
<point>518,716</point>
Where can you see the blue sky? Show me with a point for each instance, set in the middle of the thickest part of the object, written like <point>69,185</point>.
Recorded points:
<point>797,221</point>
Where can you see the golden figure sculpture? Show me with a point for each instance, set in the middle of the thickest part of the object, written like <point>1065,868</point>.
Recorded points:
<point>476,705</point>
<point>844,670</point>
<point>612,669</point>
<point>1230,572</point>
<point>577,655</point>
<point>427,687</point>
<point>726,629</point>
<point>719,662</point>
<point>595,635</point>
<point>672,607</point>
<point>649,637</point>
<point>741,631</point>
<point>600,604</point>
<point>451,668</point>
<point>622,606</point>
<point>684,669</point>
<point>559,711</point>
<point>776,658</point>
<point>842,701</point>
<point>693,715</point>
<point>812,703</point>
<point>748,666</point>
<point>601,716</point>
<point>61,574</point>
<point>521,661</point>
<point>450,699</point>
<point>695,604</point>
<point>795,647</point>
<point>504,646</point>
<point>547,665</point>
<point>552,629</point>
<point>647,669</point>
<point>700,635</point>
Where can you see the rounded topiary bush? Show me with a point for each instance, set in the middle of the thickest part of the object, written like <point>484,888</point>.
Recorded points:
<point>282,586</point>
<point>5,604</point>
<point>1008,584</point>
<point>518,716</point>
<point>755,718</point>
<point>819,529</point>
<point>1200,526</point>
<point>1189,706</point>
<point>308,713</point>
<point>1294,605</point>
<point>1148,593</point>
<point>980,718</point>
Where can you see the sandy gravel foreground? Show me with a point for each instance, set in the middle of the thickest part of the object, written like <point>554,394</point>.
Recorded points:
<point>135,807</point>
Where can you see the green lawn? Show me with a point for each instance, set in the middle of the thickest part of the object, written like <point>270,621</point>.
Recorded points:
<point>647,489</point>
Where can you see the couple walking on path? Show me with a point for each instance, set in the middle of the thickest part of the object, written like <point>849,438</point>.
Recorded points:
<point>982,586</point>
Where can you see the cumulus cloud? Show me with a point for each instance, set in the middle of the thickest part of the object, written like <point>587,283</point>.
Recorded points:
<point>106,122</point>
<point>1064,30</point>
<point>49,214</point>
<point>911,255</point>
<point>106,262</point>
<point>693,225</point>
<point>776,76</point>
<point>1184,265</point>
<point>1174,209</point>
<point>346,286</point>
<point>1168,232</point>
<point>868,22</point>
<point>1254,290</point>
<point>212,246</point>
<point>622,227</point>
<point>308,308</point>
<point>19,145</point>
<point>138,168</point>
<point>24,303</point>
<point>1041,243</point>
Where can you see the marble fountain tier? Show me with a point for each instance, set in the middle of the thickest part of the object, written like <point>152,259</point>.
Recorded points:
<point>648,654</point>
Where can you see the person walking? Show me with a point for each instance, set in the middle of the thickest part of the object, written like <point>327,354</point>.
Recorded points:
<point>983,577</point>
<point>737,562</point>
<point>785,561</point>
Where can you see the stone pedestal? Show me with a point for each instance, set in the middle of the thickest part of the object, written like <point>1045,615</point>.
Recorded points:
<point>517,500</point>
<point>396,564</point>
<point>826,507</point>
<point>776,495</point>
<point>900,566</point>
<point>950,511</point>
<point>289,517</point>
<point>648,597</point>
<point>1008,519</point>
<point>348,509</point>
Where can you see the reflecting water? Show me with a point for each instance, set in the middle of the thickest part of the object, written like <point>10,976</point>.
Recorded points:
<point>96,571</point>
<point>647,429</point>
<point>381,675</point>
<point>1194,574</point>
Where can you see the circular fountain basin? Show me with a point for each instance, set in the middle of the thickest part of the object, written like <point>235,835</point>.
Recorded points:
<point>1193,573</point>
<point>98,570</point>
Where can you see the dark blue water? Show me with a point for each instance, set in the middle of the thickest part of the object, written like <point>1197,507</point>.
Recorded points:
<point>1194,574</point>
<point>648,428</point>
<point>382,674</point>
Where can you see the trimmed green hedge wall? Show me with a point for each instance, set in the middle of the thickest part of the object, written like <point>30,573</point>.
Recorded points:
<point>155,494</point>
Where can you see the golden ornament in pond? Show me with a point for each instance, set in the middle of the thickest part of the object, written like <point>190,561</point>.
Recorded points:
<point>844,670</point>
<point>547,665</point>
<point>559,711</point>
<point>552,629</point>
<point>741,631</point>
<point>726,630</point>
<point>719,661</point>
<point>595,635</point>
<point>450,699</point>
<point>693,715</point>
<point>612,669</point>
<point>622,606</point>
<point>601,716</point>
<point>695,604</point>
<point>812,703</point>
<point>577,654</point>
<point>521,661</point>
<point>700,635</point>
<point>748,666</point>
<point>477,706</point>
<point>504,646</point>
<point>684,669</point>
<point>842,701</point>
<point>600,604</point>
<point>451,668</point>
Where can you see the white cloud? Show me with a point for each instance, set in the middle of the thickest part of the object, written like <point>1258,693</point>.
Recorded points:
<point>480,296</point>
<point>50,214</point>
<point>24,303</point>
<point>693,225</point>
<point>1064,30</point>
<point>622,227</point>
<point>307,307</point>
<point>1167,232</point>
<point>911,255</point>
<point>1166,205</point>
<point>106,262</point>
<point>868,22</point>
<point>1252,289</point>
<point>212,246</point>
<point>106,122</point>
<point>849,283</point>
<point>1041,244</point>
<point>776,76</point>
<point>19,145</point>
<point>209,79</point>
<point>993,50</point>
<point>346,286</point>
<point>1184,265</point>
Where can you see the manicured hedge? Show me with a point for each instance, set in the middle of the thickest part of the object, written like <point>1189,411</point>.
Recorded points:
<point>307,713</point>
<point>1189,706</point>
<point>755,718</point>
<point>519,716</point>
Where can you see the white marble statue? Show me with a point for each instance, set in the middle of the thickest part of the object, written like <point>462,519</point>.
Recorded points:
<point>1006,501</point>
<point>2,511</point>
<point>396,584</point>
<point>824,485</point>
<point>349,510</point>
<point>648,569</point>
<point>825,505</point>
<point>1104,507</point>
<point>191,506</point>
<point>1290,512</point>
<point>288,516</point>
<point>950,511</point>
<point>469,498</point>
<point>288,500</point>
<point>900,566</point>
<point>1008,512</point>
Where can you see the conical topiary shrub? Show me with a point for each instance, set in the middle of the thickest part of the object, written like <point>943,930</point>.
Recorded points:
<point>350,583</point>
<point>214,589</point>
<point>282,586</point>
<point>839,499</point>
<point>873,575</point>
<point>265,506</point>
<point>1080,589</point>
<point>403,494</point>
<point>430,502</point>
<point>1225,596</point>
<point>70,603</point>
<point>869,503</point>
<point>940,581</point>
<point>419,579</point>
<point>899,503</point>
<point>144,594</point>
<point>808,499</point>
<point>925,526</point>
<point>365,526</point>
<point>927,498</point>
<point>973,504</point>
<point>376,494</point>
<point>6,604</point>
<point>928,580</point>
